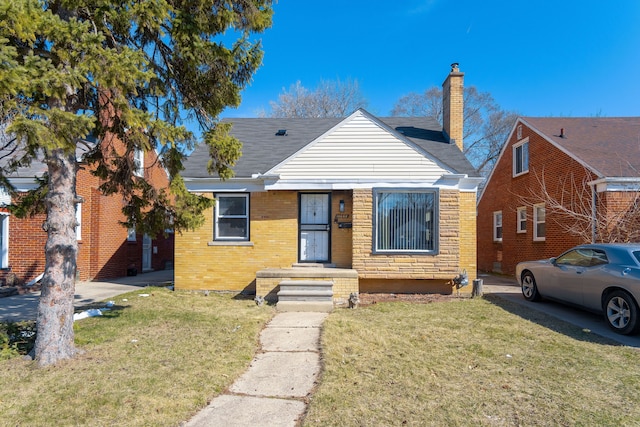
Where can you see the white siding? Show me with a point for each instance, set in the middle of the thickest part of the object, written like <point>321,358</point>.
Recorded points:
<point>359,148</point>
<point>5,198</point>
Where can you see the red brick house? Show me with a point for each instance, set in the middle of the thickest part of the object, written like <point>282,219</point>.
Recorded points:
<point>559,182</point>
<point>105,248</point>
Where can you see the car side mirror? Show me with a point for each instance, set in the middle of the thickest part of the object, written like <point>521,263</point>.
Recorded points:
<point>552,261</point>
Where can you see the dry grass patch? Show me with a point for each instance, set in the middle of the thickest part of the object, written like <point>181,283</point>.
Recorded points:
<point>152,361</point>
<point>470,362</point>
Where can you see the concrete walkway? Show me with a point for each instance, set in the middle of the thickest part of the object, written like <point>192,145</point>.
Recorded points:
<point>25,307</point>
<point>273,391</point>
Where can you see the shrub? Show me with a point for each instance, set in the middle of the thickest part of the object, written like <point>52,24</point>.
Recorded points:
<point>16,338</point>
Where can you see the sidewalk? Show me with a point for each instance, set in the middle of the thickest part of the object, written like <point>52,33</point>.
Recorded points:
<point>24,307</point>
<point>272,392</point>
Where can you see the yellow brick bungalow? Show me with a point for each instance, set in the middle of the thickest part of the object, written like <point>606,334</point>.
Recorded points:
<point>364,203</point>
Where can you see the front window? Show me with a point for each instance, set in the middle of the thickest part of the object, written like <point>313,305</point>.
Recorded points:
<point>539,222</point>
<point>405,221</point>
<point>497,226</point>
<point>232,217</point>
<point>521,158</point>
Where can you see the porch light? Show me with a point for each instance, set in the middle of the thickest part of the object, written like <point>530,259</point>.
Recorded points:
<point>341,205</point>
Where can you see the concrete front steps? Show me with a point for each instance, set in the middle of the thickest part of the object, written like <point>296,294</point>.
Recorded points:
<point>305,295</point>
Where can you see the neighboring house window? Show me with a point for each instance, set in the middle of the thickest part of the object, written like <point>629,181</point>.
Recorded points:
<point>539,222</point>
<point>4,240</point>
<point>232,217</point>
<point>131,235</point>
<point>497,226</point>
<point>138,160</point>
<point>522,219</point>
<point>521,158</point>
<point>79,221</point>
<point>405,221</point>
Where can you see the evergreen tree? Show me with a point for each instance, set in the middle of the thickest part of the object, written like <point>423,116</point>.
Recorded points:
<point>127,71</point>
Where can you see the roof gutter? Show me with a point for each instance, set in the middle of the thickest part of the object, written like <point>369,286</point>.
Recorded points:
<point>257,183</point>
<point>622,183</point>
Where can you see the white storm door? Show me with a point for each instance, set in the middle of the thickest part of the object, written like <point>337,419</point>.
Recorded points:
<point>315,226</point>
<point>146,253</point>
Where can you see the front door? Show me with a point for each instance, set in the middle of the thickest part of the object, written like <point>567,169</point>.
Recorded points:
<point>315,227</point>
<point>146,252</point>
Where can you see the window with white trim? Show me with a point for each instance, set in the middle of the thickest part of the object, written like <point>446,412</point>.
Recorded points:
<point>521,158</point>
<point>406,221</point>
<point>79,221</point>
<point>138,160</point>
<point>539,222</point>
<point>4,240</point>
<point>231,216</point>
<point>521,218</point>
<point>497,226</point>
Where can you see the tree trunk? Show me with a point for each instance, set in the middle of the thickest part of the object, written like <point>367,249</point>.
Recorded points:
<point>55,339</point>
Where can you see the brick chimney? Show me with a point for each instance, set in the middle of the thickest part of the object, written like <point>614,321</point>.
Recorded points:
<point>453,106</point>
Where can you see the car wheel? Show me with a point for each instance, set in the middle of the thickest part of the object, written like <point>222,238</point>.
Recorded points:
<point>529,287</point>
<point>621,312</point>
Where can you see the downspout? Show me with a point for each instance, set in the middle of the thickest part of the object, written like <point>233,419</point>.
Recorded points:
<point>594,217</point>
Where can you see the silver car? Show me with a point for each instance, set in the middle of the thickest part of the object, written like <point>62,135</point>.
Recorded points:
<point>603,278</point>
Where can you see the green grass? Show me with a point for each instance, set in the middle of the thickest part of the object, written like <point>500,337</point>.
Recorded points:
<point>470,362</point>
<point>157,360</point>
<point>151,361</point>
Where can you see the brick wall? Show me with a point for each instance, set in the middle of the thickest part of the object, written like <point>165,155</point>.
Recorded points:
<point>107,253</point>
<point>453,106</point>
<point>341,247</point>
<point>203,264</point>
<point>103,250</point>
<point>618,216</point>
<point>387,272</point>
<point>506,193</point>
<point>26,248</point>
<point>273,244</point>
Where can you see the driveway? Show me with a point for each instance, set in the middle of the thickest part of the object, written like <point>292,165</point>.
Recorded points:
<point>24,307</point>
<point>507,288</point>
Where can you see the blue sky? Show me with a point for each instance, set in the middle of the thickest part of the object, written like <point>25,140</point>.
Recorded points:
<point>538,58</point>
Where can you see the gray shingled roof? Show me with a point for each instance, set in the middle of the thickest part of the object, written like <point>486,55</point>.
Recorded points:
<point>263,149</point>
<point>608,145</point>
<point>37,168</point>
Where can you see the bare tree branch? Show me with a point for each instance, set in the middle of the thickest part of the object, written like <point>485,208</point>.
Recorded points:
<point>614,218</point>
<point>486,125</point>
<point>331,98</point>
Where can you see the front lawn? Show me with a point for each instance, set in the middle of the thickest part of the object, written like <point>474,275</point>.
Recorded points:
<point>151,361</point>
<point>473,362</point>
<point>156,360</point>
